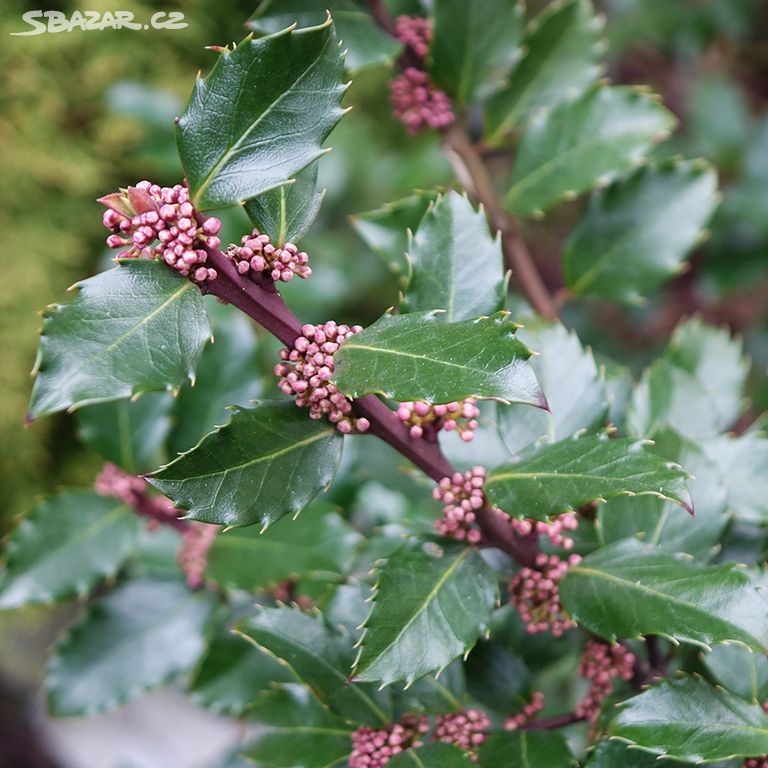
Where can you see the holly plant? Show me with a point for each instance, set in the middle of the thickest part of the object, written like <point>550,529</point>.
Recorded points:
<point>455,536</point>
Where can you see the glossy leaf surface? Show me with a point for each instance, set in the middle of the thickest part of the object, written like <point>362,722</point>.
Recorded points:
<point>630,589</point>
<point>417,356</point>
<point>236,475</point>
<point>551,479</point>
<point>261,114</point>
<point>133,329</point>
<point>451,250</point>
<point>430,606</point>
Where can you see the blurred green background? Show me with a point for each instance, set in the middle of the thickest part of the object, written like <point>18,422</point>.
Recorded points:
<point>84,112</point>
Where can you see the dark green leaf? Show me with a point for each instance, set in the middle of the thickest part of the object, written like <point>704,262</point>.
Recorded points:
<point>743,468</point>
<point>582,143</point>
<point>451,249</point>
<point>364,42</point>
<point>233,674</point>
<point>129,433</point>
<point>430,606</point>
<point>432,756</point>
<point>302,733</point>
<point>136,328</point>
<point>286,213</point>
<point>687,719</point>
<point>228,374</point>
<point>552,479</point>
<point>740,670</point>
<point>496,677</point>
<point>385,230</point>
<point>237,474</point>
<point>319,544</point>
<point>136,638</point>
<point>635,234</point>
<point>419,357</point>
<point>320,656</point>
<point>614,754</point>
<point>574,387</point>
<point>65,546</point>
<point>261,115</point>
<point>526,749</point>
<point>630,589</point>
<point>469,54</point>
<point>562,48</point>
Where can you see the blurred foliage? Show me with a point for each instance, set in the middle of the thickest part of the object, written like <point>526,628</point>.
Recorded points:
<point>83,112</point>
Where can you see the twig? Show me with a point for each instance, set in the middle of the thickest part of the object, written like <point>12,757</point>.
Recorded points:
<point>550,723</point>
<point>474,175</point>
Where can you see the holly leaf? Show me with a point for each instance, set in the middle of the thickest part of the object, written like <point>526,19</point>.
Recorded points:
<point>430,605</point>
<point>630,589</point>
<point>573,383</point>
<point>417,356</point>
<point>64,547</point>
<point>261,115</point>
<point>562,47</point>
<point>233,674</point>
<point>438,755</point>
<point>320,545</point>
<point>320,656</point>
<point>635,234</point>
<point>525,749</point>
<point>450,249</point>
<point>237,474</point>
<point>227,374</point>
<point>665,524</point>
<point>136,328</point>
<point>687,719</point>
<point>286,213</point>
<point>552,479</point>
<point>740,670</point>
<point>614,754</point>
<point>742,464</point>
<point>300,731</point>
<point>365,43</point>
<point>386,230</point>
<point>469,55</point>
<point>129,433</point>
<point>138,637</point>
<point>582,143</point>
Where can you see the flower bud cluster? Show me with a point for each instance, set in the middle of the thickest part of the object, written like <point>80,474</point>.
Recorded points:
<point>193,555</point>
<point>372,748</point>
<point>142,215</point>
<point>418,103</point>
<point>556,530</point>
<point>527,713</point>
<point>462,495</point>
<point>536,594</point>
<point>601,664</point>
<point>257,255</point>
<point>467,729</point>
<point>756,762</point>
<point>414,32</point>
<point>426,420</point>
<point>306,372</point>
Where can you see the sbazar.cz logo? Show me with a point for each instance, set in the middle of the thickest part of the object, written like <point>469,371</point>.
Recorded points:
<point>57,21</point>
